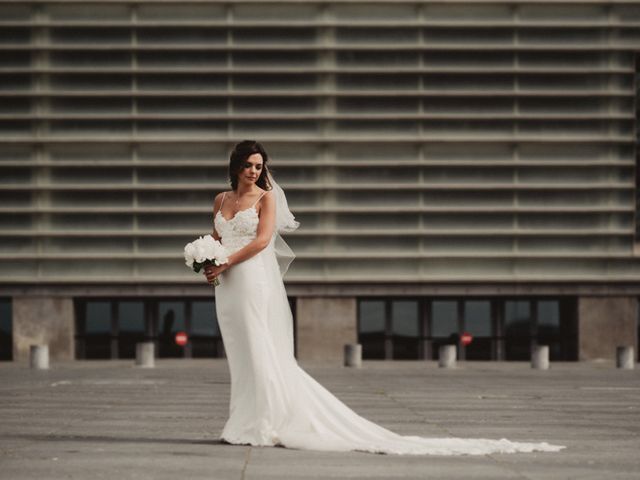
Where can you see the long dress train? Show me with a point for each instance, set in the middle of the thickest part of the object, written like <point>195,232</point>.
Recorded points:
<point>273,400</point>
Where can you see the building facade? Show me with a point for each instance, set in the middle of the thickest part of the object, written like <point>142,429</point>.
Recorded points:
<point>456,167</point>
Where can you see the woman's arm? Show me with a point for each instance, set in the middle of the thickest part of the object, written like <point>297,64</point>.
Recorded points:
<point>266,227</point>
<point>216,207</point>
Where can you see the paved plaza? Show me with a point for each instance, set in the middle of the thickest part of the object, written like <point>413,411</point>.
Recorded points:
<point>112,420</point>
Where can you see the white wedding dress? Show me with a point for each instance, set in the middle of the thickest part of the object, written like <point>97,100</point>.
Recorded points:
<point>275,402</point>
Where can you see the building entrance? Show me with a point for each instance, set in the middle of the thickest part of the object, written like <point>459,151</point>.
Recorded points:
<point>111,328</point>
<point>6,330</point>
<point>500,328</point>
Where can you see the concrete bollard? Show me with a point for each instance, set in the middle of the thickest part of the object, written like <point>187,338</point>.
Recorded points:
<point>39,357</point>
<point>145,354</point>
<point>540,357</point>
<point>625,358</point>
<point>447,356</point>
<point>353,355</point>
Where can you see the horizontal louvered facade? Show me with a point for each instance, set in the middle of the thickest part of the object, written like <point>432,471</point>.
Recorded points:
<point>417,141</point>
<point>425,147</point>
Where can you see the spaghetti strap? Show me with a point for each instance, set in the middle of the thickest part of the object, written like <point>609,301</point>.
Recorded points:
<point>223,194</point>
<point>254,203</point>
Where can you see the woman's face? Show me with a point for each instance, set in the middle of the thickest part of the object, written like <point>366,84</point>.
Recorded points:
<point>251,169</point>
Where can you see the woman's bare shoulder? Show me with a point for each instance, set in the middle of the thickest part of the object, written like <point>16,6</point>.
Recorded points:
<point>221,194</point>
<point>266,194</point>
<point>217,200</point>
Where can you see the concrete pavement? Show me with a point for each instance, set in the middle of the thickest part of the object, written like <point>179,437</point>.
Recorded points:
<point>110,419</point>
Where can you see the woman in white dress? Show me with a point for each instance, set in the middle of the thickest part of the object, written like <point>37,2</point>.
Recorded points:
<point>273,400</point>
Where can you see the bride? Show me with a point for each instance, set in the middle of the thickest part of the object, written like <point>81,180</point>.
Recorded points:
<point>273,400</point>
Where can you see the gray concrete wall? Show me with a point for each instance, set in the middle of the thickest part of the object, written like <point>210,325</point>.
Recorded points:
<point>43,320</point>
<point>604,323</point>
<point>324,325</point>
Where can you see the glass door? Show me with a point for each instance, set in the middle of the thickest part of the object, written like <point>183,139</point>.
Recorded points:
<point>444,325</point>
<point>169,321</point>
<point>406,334</point>
<point>131,327</point>
<point>95,327</point>
<point>6,330</point>
<point>205,335</point>
<point>479,322</point>
<point>517,330</point>
<point>372,328</point>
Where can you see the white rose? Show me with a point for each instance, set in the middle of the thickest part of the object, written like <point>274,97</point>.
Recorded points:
<point>200,253</point>
<point>205,248</point>
<point>189,253</point>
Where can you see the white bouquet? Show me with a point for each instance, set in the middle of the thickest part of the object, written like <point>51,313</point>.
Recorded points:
<point>205,251</point>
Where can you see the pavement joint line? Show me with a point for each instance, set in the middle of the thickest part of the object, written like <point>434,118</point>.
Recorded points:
<point>57,430</point>
<point>507,466</point>
<point>406,407</point>
<point>612,389</point>
<point>247,457</point>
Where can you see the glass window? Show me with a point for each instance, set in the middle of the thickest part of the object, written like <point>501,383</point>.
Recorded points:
<point>444,325</point>
<point>6,330</point>
<point>444,318</point>
<point>371,328</point>
<point>549,315</point>
<point>477,318</point>
<point>131,317</point>
<point>131,327</point>
<point>405,328</point>
<point>98,318</point>
<point>204,334</point>
<point>548,327</point>
<point>203,319</point>
<point>479,323</point>
<point>171,319</point>
<point>517,329</point>
<point>371,316</point>
<point>97,329</point>
<point>404,318</point>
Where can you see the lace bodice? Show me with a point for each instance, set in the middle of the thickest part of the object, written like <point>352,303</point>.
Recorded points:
<point>239,230</point>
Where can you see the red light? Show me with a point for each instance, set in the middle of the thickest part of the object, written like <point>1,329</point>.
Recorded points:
<point>466,338</point>
<point>181,338</point>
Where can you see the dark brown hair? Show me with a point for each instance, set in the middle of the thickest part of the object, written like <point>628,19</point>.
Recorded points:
<point>239,155</point>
